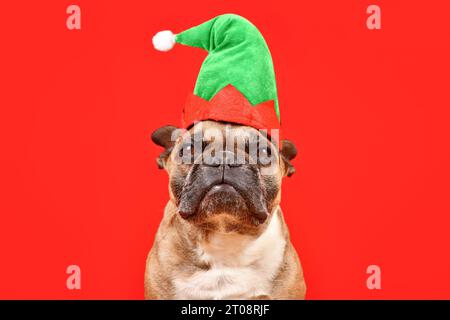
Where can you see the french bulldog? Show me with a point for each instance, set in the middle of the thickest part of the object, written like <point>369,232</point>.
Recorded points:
<point>223,235</point>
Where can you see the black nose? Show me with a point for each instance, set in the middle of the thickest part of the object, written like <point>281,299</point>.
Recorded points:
<point>228,158</point>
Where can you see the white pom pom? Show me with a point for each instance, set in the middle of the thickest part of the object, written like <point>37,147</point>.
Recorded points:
<point>163,40</point>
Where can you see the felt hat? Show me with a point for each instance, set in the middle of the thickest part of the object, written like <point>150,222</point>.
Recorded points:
<point>236,82</point>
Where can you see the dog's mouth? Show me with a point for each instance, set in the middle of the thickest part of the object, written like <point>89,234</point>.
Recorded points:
<point>221,189</point>
<point>227,199</point>
<point>217,198</point>
<point>222,198</point>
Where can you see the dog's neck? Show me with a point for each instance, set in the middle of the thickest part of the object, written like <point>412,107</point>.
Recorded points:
<point>237,250</point>
<point>231,248</point>
<point>230,265</point>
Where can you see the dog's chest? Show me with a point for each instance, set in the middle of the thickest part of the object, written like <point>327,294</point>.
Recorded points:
<point>240,267</point>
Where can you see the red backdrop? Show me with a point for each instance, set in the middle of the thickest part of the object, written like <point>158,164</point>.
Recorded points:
<point>367,109</point>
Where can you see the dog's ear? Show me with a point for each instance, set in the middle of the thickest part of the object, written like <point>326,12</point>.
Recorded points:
<point>288,152</point>
<point>165,137</point>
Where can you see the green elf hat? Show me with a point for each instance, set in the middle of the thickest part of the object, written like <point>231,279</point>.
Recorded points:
<point>236,82</point>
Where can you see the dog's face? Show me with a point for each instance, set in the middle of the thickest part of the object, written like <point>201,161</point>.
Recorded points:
<point>224,177</point>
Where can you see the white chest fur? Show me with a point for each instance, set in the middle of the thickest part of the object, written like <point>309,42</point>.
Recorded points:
<point>241,266</point>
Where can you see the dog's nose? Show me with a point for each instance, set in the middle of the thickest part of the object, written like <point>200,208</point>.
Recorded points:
<point>224,158</point>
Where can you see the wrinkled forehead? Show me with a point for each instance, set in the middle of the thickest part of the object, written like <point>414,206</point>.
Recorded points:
<point>212,130</point>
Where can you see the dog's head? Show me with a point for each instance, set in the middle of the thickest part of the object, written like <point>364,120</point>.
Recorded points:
<point>224,176</point>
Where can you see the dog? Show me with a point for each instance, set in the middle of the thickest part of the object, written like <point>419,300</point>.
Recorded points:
<point>223,235</point>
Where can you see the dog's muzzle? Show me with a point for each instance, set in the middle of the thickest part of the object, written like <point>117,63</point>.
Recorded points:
<point>229,185</point>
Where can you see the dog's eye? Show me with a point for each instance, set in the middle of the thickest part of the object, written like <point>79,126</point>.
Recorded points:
<point>265,152</point>
<point>187,150</point>
<point>264,155</point>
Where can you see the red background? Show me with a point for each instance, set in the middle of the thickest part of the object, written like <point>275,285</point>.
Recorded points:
<point>368,111</point>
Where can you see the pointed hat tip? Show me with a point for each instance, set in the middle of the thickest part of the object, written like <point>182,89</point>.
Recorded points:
<point>164,40</point>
